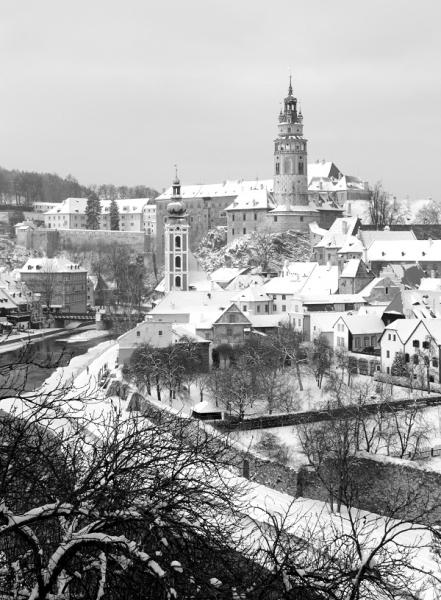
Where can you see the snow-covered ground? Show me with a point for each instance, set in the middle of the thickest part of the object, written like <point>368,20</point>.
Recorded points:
<point>85,336</point>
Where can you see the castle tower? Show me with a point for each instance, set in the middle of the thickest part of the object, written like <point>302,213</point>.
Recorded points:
<point>290,156</point>
<point>176,230</point>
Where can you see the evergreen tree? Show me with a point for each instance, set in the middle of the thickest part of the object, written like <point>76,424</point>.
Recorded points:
<point>114,215</point>
<point>93,210</point>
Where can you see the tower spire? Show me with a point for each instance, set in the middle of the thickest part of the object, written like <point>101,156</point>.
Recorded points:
<point>290,85</point>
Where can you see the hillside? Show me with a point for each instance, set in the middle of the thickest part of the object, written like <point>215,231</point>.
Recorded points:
<point>25,187</point>
<point>267,250</point>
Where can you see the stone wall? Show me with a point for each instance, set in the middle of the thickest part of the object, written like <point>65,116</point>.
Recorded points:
<point>248,463</point>
<point>75,238</point>
<point>381,484</point>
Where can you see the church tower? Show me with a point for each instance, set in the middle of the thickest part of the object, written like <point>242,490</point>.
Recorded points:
<point>290,156</point>
<point>176,230</point>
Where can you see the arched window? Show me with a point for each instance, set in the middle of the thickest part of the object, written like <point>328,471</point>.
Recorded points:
<point>178,281</point>
<point>178,262</point>
<point>178,241</point>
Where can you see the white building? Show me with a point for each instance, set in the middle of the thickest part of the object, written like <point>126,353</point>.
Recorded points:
<point>133,215</point>
<point>419,341</point>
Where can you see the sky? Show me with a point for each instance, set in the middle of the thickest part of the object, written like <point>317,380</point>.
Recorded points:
<point>119,91</point>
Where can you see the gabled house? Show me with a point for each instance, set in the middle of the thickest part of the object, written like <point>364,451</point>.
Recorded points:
<point>358,333</point>
<point>229,328</point>
<point>418,342</point>
<point>354,276</point>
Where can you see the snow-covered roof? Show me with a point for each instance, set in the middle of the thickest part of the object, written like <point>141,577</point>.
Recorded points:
<point>253,293</point>
<point>78,206</point>
<point>252,200</point>
<point>51,265</point>
<point>430,284</point>
<point>284,285</point>
<point>351,267</point>
<point>323,322</point>
<point>345,225</point>
<point>177,302</point>
<point>225,275</point>
<point>359,325</point>
<point>297,270</point>
<point>351,244</point>
<point>316,230</point>
<point>404,251</point>
<point>368,236</point>
<point>323,279</point>
<point>321,169</point>
<point>403,327</point>
<point>294,208</point>
<point>260,321</point>
<point>226,188</point>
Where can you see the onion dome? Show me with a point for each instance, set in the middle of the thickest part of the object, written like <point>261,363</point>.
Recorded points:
<point>176,209</point>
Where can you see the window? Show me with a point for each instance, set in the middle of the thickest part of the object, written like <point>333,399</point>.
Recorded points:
<point>283,307</point>
<point>178,281</point>
<point>244,230</point>
<point>426,361</point>
<point>388,370</point>
<point>138,333</point>
<point>416,343</point>
<point>244,216</point>
<point>406,357</point>
<point>274,308</point>
<point>258,309</point>
<point>415,359</point>
<point>284,297</point>
<point>255,216</point>
<point>300,168</point>
<point>434,362</point>
<point>357,342</point>
<point>386,290</point>
<point>366,340</point>
<point>426,345</point>
<point>275,219</point>
<point>178,241</point>
<point>232,318</point>
<point>277,168</point>
<point>300,322</point>
<point>389,336</point>
<point>431,378</point>
<point>229,331</point>
<point>178,262</point>
<point>387,354</point>
<point>301,219</point>
<point>244,308</point>
<point>266,308</point>
<point>233,231</point>
<point>394,338</point>
<point>160,332</point>
<point>232,218</point>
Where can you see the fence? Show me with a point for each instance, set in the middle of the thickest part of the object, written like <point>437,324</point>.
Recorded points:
<point>426,452</point>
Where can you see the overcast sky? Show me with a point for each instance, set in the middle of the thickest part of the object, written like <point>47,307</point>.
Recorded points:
<point>117,91</point>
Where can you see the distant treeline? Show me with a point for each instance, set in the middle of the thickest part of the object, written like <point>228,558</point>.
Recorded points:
<point>26,187</point>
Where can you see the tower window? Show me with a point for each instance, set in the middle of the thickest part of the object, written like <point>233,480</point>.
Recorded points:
<point>244,216</point>
<point>275,219</point>
<point>232,218</point>
<point>255,218</point>
<point>244,230</point>
<point>300,168</point>
<point>178,281</point>
<point>177,241</point>
<point>178,262</point>
<point>277,168</point>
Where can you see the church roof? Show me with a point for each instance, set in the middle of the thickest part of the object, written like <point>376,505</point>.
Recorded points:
<point>225,189</point>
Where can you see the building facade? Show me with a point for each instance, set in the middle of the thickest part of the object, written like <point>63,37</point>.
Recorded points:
<point>133,215</point>
<point>62,285</point>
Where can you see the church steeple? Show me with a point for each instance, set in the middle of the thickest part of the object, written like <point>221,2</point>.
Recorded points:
<point>176,184</point>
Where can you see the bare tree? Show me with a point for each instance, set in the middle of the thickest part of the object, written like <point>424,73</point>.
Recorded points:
<point>383,211</point>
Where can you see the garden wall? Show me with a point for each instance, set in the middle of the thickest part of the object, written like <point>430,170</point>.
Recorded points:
<point>381,484</point>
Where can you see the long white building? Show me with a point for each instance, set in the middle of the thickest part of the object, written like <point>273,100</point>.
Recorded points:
<point>135,214</point>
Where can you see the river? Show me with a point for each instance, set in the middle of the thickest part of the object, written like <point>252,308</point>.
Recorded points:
<point>31,365</point>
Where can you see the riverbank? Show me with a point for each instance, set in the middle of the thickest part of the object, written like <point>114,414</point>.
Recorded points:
<point>16,341</point>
